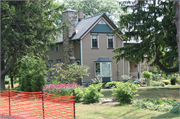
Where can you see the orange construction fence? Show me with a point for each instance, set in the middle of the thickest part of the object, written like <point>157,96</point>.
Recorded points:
<point>35,105</point>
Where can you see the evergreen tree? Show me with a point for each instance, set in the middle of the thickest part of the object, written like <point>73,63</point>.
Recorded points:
<point>158,37</point>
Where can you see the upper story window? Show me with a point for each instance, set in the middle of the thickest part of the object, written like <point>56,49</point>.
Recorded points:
<point>94,41</point>
<point>57,48</point>
<point>110,41</point>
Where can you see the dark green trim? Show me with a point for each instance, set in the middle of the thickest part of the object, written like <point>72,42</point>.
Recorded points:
<point>101,28</point>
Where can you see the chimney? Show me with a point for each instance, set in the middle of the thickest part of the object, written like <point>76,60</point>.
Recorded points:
<point>69,17</point>
<point>80,15</point>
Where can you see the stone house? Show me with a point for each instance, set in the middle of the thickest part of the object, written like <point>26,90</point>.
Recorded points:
<point>90,42</point>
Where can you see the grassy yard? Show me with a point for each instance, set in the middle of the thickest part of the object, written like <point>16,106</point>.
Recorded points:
<point>171,92</point>
<point>119,112</point>
<point>84,111</point>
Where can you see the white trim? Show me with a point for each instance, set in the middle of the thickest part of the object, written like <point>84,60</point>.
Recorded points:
<point>107,40</point>
<point>123,61</point>
<point>97,36</point>
<point>91,28</point>
<point>111,27</point>
<point>81,57</point>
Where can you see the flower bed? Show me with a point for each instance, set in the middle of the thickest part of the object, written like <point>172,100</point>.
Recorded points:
<point>61,89</point>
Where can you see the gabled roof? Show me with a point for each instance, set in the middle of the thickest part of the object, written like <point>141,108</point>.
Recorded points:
<point>84,25</point>
<point>103,59</point>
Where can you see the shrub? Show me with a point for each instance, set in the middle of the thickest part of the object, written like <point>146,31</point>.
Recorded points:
<point>92,93</point>
<point>166,82</point>
<point>61,89</point>
<point>6,82</point>
<point>173,81</point>
<point>175,109</point>
<point>162,105</point>
<point>111,84</point>
<point>126,78</point>
<point>33,72</point>
<point>155,77</point>
<point>124,92</point>
<point>78,94</point>
<point>155,83</point>
<point>137,82</point>
<point>147,74</point>
<point>96,80</point>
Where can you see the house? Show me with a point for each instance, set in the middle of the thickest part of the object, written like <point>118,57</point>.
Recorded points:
<point>90,42</point>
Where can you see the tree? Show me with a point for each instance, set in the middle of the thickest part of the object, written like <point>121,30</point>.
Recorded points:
<point>95,7</point>
<point>158,36</point>
<point>33,72</point>
<point>69,75</point>
<point>26,26</point>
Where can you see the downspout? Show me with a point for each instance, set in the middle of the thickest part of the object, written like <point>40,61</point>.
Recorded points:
<point>123,63</point>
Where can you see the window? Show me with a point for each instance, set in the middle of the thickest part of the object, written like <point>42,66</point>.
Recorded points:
<point>57,48</point>
<point>110,42</point>
<point>50,62</point>
<point>78,62</point>
<point>94,41</point>
<point>58,61</point>
<point>103,69</point>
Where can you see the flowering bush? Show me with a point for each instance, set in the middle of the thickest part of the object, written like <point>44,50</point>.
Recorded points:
<point>61,89</point>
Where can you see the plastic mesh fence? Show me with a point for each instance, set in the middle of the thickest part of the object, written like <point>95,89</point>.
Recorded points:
<point>35,105</point>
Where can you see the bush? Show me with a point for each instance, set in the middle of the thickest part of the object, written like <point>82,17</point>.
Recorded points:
<point>175,109</point>
<point>124,92</point>
<point>173,81</point>
<point>111,84</point>
<point>6,82</point>
<point>126,78</point>
<point>147,74</point>
<point>92,93</point>
<point>166,82</point>
<point>137,82</point>
<point>33,72</point>
<point>96,80</point>
<point>155,83</point>
<point>162,105</point>
<point>61,89</point>
<point>78,94</point>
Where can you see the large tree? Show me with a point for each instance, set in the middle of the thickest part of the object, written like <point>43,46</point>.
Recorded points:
<point>152,21</point>
<point>26,26</point>
<point>95,7</point>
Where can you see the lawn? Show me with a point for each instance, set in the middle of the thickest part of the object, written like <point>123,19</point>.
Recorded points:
<point>171,92</point>
<point>84,111</point>
<point>127,111</point>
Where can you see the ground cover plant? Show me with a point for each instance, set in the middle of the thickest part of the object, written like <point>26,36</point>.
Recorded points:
<point>163,105</point>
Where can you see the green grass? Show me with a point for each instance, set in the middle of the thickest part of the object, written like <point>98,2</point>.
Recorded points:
<point>84,111</point>
<point>171,92</point>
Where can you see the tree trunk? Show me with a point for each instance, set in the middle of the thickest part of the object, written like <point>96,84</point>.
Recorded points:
<point>12,86</point>
<point>177,22</point>
<point>2,77</point>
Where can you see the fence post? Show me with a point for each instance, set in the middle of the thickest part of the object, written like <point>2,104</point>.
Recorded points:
<point>74,104</point>
<point>43,103</point>
<point>9,102</point>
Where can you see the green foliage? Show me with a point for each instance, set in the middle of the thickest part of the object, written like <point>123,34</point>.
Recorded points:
<point>95,7</point>
<point>27,26</point>
<point>6,82</point>
<point>33,72</point>
<point>162,105</point>
<point>166,82</point>
<point>92,93</point>
<point>175,109</point>
<point>155,83</point>
<point>111,84</point>
<point>125,92</point>
<point>143,24</point>
<point>155,77</point>
<point>96,80</point>
<point>126,78</point>
<point>72,74</point>
<point>137,82</point>
<point>147,74</point>
<point>173,81</point>
<point>78,94</point>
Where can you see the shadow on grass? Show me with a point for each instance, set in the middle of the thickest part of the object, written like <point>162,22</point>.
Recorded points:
<point>167,115</point>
